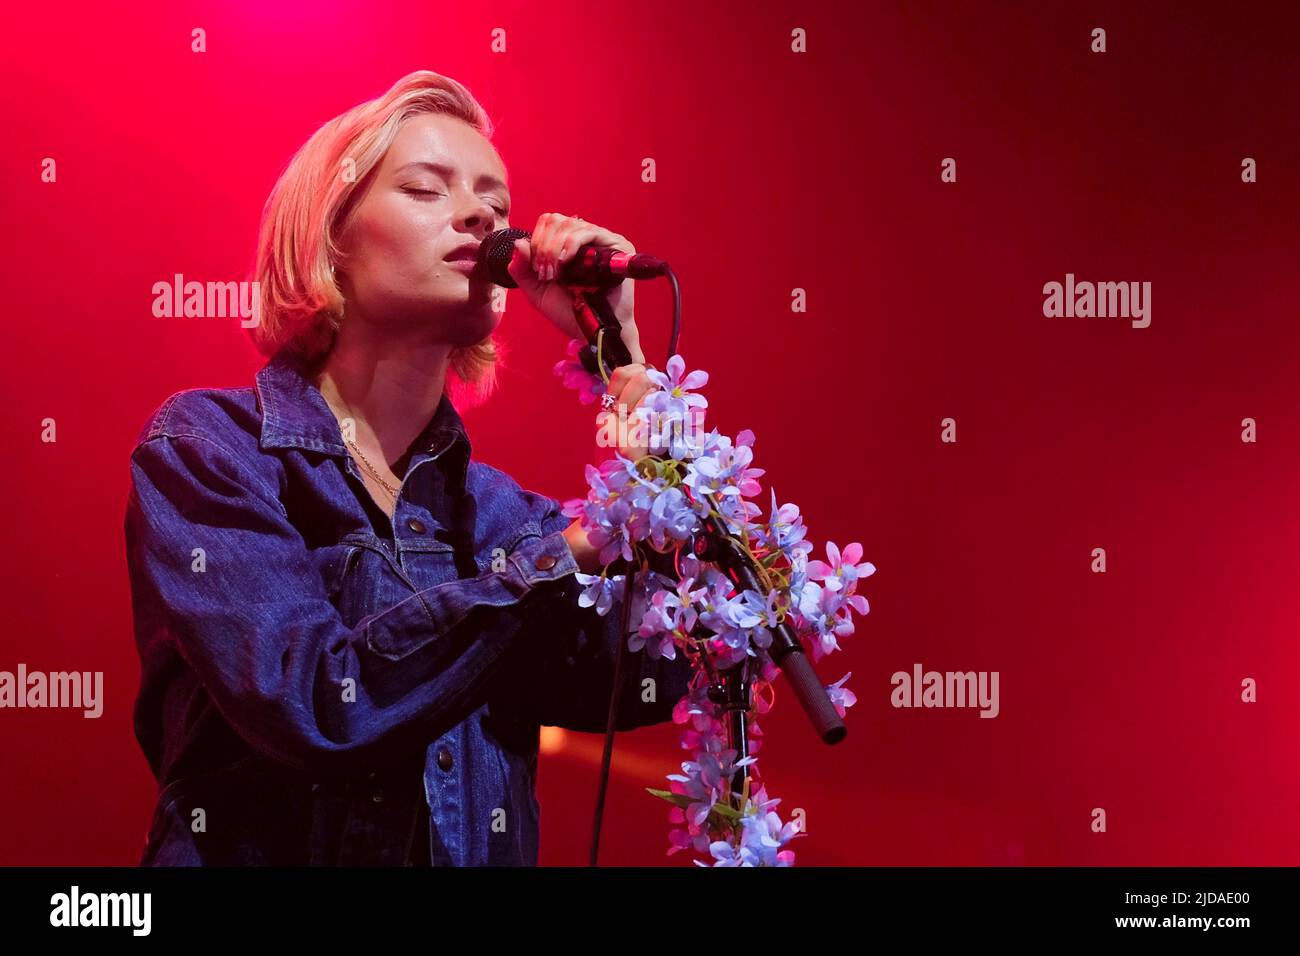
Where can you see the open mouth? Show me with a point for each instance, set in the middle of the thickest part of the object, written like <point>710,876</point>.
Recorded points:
<point>467,266</point>
<point>465,253</point>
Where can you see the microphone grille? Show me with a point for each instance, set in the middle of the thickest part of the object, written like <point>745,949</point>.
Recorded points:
<point>495,254</point>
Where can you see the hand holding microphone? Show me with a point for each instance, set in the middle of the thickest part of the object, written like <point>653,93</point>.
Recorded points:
<point>564,253</point>
<point>544,269</point>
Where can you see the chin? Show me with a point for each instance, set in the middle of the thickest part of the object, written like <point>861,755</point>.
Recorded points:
<point>473,324</point>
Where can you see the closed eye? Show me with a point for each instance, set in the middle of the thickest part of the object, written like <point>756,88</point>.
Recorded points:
<point>503,213</point>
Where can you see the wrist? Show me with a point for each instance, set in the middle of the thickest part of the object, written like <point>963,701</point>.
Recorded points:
<point>586,556</point>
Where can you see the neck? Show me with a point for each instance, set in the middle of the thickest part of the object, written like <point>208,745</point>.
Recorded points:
<point>390,386</point>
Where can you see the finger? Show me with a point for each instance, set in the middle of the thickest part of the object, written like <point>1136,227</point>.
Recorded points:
<point>546,224</point>
<point>619,378</point>
<point>637,422</point>
<point>572,236</point>
<point>634,394</point>
<point>562,230</point>
<point>631,380</point>
<point>519,265</point>
<point>569,234</point>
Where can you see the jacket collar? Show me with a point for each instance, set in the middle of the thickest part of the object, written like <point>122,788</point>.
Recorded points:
<point>296,415</point>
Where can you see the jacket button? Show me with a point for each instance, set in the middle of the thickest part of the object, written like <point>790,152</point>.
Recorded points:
<point>416,525</point>
<point>544,562</point>
<point>444,758</point>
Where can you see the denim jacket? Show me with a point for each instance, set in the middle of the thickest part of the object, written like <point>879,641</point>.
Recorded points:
<point>323,686</point>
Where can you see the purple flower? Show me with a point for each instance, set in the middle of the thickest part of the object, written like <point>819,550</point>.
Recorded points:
<point>738,512</point>
<point>763,836</point>
<point>617,512</point>
<point>669,613</point>
<point>674,398</point>
<point>672,517</point>
<point>767,609</point>
<point>717,769</point>
<point>672,437</point>
<point>843,571</point>
<point>840,695</point>
<point>706,732</point>
<point>702,793</point>
<point>678,839</point>
<point>696,708</point>
<point>664,619</point>
<point>598,590</point>
<point>574,375</point>
<point>759,802</point>
<point>821,623</point>
<point>754,615</point>
<point>726,854</point>
<point>798,571</point>
<point>724,470</point>
<point>785,530</point>
<point>712,599</point>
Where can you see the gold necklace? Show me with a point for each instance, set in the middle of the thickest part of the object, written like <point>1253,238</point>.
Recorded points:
<point>374,472</point>
<point>371,468</point>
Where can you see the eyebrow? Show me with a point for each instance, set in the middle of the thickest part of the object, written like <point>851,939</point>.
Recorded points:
<point>442,169</point>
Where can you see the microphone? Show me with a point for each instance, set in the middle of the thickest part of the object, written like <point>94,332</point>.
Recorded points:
<point>591,267</point>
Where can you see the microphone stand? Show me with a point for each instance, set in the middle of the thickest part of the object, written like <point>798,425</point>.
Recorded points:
<point>716,544</point>
<point>731,688</point>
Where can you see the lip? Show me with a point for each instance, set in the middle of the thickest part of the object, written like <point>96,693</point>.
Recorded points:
<point>467,266</point>
<point>470,247</point>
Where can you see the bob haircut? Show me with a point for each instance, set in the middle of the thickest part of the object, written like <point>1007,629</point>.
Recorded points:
<point>297,249</point>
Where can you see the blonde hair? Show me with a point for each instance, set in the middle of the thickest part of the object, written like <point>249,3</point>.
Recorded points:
<point>297,249</point>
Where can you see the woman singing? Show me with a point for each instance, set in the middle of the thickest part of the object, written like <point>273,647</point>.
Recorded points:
<point>350,631</point>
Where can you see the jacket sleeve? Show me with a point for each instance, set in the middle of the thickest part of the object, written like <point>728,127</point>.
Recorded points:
<point>256,624</point>
<point>574,676</point>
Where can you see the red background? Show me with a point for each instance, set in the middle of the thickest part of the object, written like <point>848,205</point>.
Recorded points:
<point>776,171</point>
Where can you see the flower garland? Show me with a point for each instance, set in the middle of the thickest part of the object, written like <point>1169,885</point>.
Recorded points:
<point>658,504</point>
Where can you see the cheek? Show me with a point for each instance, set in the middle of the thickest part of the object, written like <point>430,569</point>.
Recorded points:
<point>397,237</point>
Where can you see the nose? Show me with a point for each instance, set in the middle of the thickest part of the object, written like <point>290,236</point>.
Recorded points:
<point>479,219</point>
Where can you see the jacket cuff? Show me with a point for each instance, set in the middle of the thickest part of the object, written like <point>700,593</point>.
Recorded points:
<point>541,558</point>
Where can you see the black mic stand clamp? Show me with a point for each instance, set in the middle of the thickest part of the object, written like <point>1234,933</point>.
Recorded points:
<point>587,302</point>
